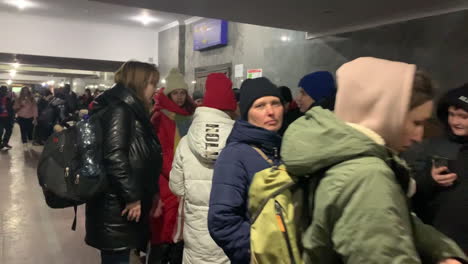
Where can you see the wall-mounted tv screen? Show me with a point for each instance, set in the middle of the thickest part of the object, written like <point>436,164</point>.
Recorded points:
<point>209,34</point>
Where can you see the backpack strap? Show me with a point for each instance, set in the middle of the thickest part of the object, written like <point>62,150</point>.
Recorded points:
<point>264,156</point>
<point>265,201</point>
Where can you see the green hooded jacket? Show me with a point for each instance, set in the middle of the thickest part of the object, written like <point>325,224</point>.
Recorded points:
<point>361,212</point>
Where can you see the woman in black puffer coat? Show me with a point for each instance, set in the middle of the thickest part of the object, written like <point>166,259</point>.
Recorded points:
<point>118,220</point>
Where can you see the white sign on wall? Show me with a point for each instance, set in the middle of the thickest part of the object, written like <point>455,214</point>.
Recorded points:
<point>239,71</point>
<point>254,73</point>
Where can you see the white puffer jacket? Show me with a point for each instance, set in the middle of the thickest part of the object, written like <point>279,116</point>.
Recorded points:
<point>191,175</point>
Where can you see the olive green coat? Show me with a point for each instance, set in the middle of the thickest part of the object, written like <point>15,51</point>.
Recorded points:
<point>361,212</point>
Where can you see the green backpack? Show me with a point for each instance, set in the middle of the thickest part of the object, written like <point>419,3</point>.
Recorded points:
<point>277,205</point>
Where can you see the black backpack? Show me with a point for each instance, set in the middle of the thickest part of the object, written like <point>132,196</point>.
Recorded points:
<point>70,169</point>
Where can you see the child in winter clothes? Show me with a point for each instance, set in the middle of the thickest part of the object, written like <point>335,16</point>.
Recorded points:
<point>442,197</point>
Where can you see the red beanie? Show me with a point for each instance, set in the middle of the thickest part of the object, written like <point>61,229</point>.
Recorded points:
<point>218,93</point>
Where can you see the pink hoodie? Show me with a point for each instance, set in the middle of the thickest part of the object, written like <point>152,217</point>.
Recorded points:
<point>375,93</point>
<point>26,109</point>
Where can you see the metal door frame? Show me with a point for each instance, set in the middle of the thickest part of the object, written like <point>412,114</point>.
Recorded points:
<point>206,70</point>
<point>202,72</point>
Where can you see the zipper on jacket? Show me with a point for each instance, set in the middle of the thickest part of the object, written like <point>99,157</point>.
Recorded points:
<point>61,147</point>
<point>283,229</point>
<point>276,153</point>
<point>67,171</point>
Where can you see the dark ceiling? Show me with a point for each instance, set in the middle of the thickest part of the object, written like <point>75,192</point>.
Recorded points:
<point>315,16</point>
<point>61,63</point>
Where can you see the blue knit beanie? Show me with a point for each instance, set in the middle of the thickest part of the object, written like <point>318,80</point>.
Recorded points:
<point>319,85</point>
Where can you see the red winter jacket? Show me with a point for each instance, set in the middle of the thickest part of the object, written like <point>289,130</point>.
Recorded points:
<point>170,123</point>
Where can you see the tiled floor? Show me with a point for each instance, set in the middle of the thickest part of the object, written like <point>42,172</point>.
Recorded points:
<point>30,232</point>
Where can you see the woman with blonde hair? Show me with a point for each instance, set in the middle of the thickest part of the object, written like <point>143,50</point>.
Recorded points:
<point>118,220</point>
<point>26,111</point>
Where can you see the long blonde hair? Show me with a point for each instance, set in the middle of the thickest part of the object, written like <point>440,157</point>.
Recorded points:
<point>26,95</point>
<point>136,76</point>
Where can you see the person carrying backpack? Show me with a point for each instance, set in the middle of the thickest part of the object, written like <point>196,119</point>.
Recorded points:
<point>361,208</point>
<point>45,118</point>
<point>53,115</point>
<point>192,169</point>
<point>261,107</point>
<point>118,220</point>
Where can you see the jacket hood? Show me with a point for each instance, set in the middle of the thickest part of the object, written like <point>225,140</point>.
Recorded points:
<point>319,140</point>
<point>208,133</point>
<point>162,102</point>
<point>244,132</point>
<point>384,90</point>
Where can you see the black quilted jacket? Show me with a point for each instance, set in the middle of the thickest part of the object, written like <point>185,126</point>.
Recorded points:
<point>132,158</point>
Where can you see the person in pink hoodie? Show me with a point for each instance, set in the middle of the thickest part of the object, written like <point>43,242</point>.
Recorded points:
<point>26,111</point>
<point>362,209</point>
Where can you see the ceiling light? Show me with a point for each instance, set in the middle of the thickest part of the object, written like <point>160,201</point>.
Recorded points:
<point>9,82</point>
<point>194,82</point>
<point>12,73</point>
<point>163,81</point>
<point>21,4</point>
<point>43,84</point>
<point>285,38</point>
<point>16,65</point>
<point>145,19</point>
<point>52,82</point>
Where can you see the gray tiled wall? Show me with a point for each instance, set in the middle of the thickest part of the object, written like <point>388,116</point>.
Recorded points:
<point>168,50</point>
<point>437,44</point>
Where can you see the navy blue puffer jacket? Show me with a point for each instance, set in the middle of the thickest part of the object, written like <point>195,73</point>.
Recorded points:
<point>228,220</point>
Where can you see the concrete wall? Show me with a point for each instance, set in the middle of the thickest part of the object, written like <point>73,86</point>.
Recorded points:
<point>435,44</point>
<point>34,35</point>
<point>257,47</point>
<point>171,50</point>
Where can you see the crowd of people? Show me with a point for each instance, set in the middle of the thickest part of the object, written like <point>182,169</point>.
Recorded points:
<point>38,113</point>
<point>180,166</point>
